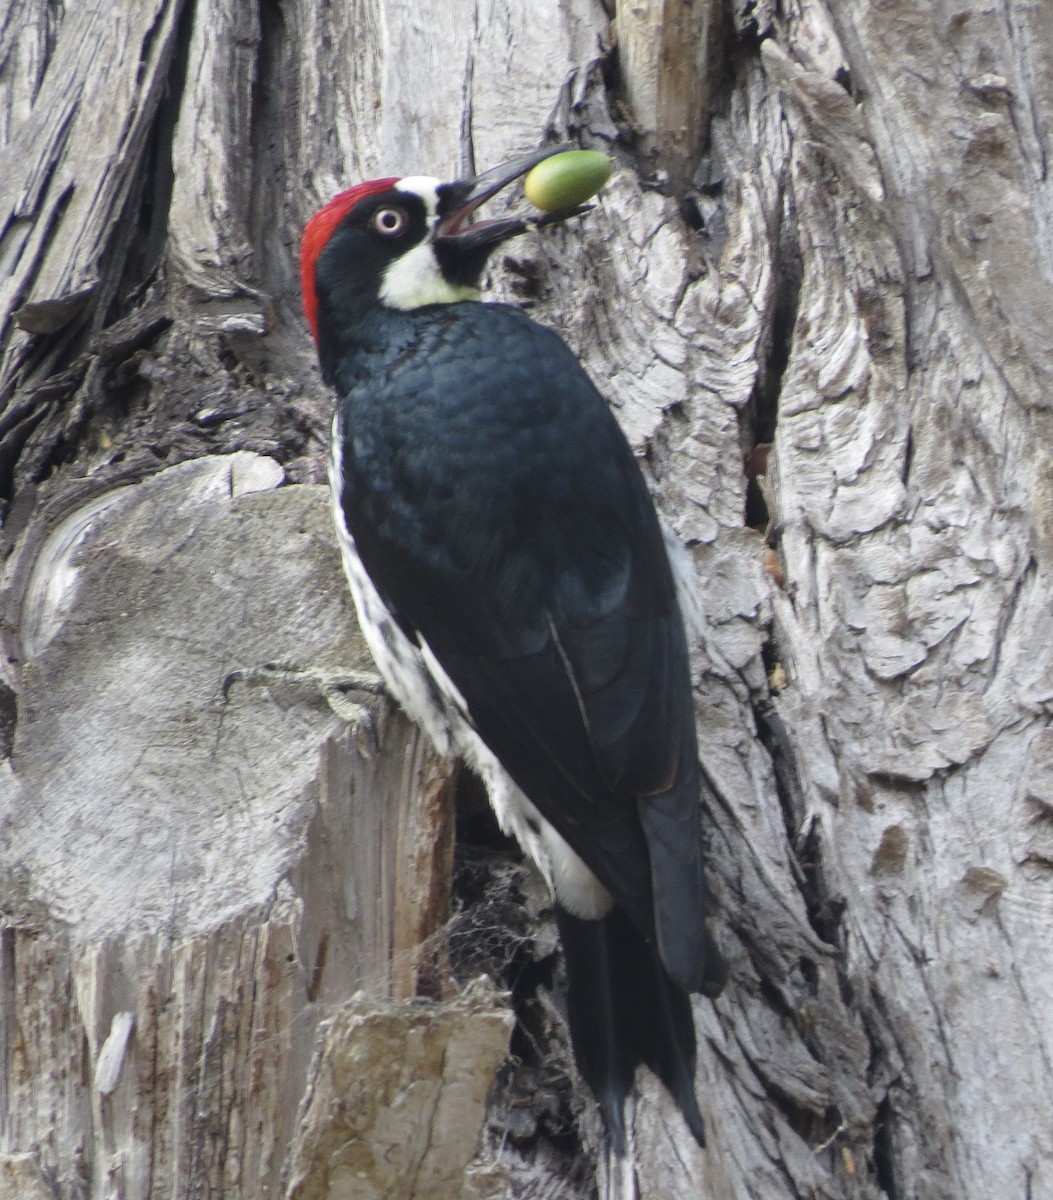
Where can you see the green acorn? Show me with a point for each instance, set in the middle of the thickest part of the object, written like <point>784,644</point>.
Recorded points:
<point>567,180</point>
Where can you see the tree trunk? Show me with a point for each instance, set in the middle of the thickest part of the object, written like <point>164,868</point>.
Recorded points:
<point>817,293</point>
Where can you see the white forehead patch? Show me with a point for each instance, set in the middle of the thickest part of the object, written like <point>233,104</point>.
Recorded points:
<point>415,278</point>
<point>427,189</point>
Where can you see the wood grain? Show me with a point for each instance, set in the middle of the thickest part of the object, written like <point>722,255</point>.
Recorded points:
<point>848,262</point>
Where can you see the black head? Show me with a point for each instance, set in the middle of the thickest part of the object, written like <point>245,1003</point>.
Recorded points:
<point>405,243</point>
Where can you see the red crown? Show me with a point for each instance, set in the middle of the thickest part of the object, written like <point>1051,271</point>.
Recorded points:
<point>319,230</point>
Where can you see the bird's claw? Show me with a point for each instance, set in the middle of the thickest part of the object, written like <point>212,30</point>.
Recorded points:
<point>334,685</point>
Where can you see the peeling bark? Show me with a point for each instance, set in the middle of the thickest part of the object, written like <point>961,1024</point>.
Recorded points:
<point>672,60</point>
<point>826,332</point>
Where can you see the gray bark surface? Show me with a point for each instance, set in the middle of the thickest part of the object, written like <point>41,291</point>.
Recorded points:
<point>817,292</point>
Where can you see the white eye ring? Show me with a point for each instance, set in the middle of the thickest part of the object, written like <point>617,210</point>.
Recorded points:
<point>389,221</point>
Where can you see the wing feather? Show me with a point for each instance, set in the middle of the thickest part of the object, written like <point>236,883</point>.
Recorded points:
<point>528,556</point>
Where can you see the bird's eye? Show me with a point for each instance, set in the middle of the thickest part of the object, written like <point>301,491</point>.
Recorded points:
<point>389,221</point>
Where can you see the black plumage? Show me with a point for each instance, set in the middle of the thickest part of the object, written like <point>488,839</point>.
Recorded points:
<point>499,514</point>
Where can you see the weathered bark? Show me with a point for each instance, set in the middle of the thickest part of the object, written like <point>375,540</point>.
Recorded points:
<point>823,323</point>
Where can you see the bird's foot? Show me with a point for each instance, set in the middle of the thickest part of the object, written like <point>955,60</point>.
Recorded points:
<point>335,685</point>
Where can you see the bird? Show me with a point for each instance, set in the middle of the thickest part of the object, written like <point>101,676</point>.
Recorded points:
<point>515,585</point>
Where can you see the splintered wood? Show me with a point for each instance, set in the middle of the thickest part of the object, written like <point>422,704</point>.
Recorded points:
<point>854,274</point>
<point>200,872</point>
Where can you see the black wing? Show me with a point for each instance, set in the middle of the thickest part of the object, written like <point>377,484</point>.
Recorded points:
<point>506,524</point>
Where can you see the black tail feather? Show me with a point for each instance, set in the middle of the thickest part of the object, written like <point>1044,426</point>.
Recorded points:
<point>674,846</point>
<point>625,1010</point>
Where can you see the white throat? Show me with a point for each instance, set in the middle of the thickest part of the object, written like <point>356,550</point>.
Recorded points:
<point>415,279</point>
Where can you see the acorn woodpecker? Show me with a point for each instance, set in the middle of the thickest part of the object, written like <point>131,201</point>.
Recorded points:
<point>513,582</point>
